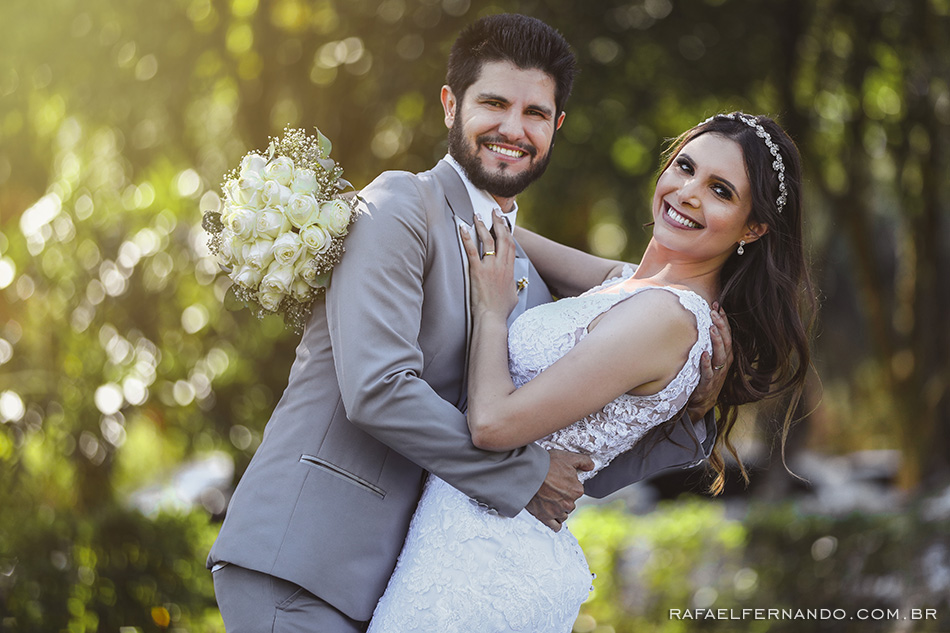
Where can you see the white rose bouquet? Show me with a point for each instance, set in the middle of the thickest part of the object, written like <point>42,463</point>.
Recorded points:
<point>281,227</point>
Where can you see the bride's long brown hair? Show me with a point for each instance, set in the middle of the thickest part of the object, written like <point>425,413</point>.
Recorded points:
<point>766,292</point>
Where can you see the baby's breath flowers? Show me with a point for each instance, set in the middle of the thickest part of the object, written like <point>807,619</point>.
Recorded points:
<point>281,227</point>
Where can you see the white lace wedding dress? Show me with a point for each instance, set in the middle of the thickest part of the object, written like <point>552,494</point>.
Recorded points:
<point>465,569</point>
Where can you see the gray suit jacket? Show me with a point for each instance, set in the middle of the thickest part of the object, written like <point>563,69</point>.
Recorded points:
<point>375,399</point>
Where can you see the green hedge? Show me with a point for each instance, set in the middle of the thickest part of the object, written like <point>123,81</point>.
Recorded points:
<point>117,572</point>
<point>856,573</point>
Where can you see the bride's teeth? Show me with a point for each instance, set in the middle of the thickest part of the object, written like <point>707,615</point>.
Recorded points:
<point>514,153</point>
<point>670,211</point>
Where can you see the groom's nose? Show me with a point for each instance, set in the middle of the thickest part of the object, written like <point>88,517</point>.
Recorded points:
<point>511,126</point>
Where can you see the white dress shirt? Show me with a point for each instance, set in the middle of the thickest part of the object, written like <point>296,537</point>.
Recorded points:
<point>482,201</point>
<point>484,205</point>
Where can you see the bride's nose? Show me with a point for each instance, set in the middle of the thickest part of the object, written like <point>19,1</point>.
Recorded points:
<point>688,194</point>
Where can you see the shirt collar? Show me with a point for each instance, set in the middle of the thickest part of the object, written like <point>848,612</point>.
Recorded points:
<point>482,202</point>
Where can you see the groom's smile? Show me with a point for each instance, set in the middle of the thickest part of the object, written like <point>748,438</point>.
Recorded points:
<point>509,152</point>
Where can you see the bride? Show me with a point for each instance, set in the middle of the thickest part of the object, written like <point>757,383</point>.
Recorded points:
<point>595,372</point>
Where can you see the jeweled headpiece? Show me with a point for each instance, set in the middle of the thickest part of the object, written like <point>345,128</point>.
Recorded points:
<point>778,164</point>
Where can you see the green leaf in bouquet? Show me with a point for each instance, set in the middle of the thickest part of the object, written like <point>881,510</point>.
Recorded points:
<point>323,281</point>
<point>327,163</point>
<point>323,143</point>
<point>232,302</point>
<point>342,184</point>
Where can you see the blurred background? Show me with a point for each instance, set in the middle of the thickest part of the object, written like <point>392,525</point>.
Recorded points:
<point>131,402</point>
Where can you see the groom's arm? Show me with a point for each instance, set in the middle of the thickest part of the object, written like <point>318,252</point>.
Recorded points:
<point>374,309</point>
<point>567,271</point>
<point>687,445</point>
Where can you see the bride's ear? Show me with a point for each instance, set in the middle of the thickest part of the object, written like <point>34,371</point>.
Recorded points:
<point>756,230</point>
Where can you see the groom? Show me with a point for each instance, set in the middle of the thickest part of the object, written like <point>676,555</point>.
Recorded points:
<point>376,396</point>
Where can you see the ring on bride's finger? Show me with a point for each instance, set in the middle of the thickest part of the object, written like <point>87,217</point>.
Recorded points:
<point>718,367</point>
<point>488,253</point>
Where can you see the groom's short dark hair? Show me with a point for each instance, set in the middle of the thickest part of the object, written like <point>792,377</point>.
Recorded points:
<point>524,41</point>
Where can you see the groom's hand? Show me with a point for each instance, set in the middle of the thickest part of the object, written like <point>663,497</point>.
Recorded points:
<point>555,499</point>
<point>712,371</point>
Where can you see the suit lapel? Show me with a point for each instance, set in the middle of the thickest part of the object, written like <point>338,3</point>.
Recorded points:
<point>456,197</point>
<point>458,200</point>
<point>455,193</point>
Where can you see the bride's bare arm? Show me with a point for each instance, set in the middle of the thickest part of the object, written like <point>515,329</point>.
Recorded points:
<point>567,271</point>
<point>639,345</point>
<point>570,272</point>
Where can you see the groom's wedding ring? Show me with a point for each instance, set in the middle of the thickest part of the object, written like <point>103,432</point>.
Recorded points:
<point>718,367</point>
<point>487,253</point>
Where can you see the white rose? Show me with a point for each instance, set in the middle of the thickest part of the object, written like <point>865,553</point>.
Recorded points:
<point>280,169</point>
<point>308,274</point>
<point>287,248</point>
<point>226,250</point>
<point>301,291</point>
<point>277,278</point>
<point>232,192</point>
<point>242,222</point>
<point>275,194</point>
<point>270,223</point>
<point>247,276</point>
<point>316,240</point>
<point>270,300</point>
<point>228,207</point>
<point>260,254</point>
<point>252,163</point>
<point>335,216</point>
<point>239,250</point>
<point>302,210</point>
<point>249,189</point>
<point>305,181</point>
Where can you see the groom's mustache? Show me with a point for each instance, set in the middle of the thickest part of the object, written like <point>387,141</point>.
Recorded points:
<point>494,138</point>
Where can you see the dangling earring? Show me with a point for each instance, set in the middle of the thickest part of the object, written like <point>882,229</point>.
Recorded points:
<point>741,250</point>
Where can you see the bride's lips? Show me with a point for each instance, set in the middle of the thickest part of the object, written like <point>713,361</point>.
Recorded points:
<point>679,219</point>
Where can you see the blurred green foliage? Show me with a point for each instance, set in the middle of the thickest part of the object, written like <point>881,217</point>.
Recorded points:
<point>867,572</point>
<point>118,119</point>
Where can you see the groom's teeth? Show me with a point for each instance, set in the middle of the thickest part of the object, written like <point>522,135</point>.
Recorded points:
<point>514,153</point>
<point>679,219</point>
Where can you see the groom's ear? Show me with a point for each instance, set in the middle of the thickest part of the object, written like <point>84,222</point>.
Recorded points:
<point>560,120</point>
<point>449,105</point>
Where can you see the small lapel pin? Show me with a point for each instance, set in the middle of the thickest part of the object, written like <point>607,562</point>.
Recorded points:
<point>522,283</point>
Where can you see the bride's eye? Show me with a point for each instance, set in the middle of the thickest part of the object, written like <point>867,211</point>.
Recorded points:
<point>685,165</point>
<point>722,191</point>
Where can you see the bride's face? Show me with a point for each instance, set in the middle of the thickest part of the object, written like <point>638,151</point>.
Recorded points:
<point>702,200</point>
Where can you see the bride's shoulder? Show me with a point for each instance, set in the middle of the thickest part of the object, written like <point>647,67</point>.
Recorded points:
<point>652,312</point>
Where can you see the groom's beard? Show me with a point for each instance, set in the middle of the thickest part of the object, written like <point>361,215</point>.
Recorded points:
<point>497,184</point>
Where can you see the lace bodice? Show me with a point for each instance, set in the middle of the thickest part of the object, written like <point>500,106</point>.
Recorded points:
<point>542,335</point>
<point>464,568</point>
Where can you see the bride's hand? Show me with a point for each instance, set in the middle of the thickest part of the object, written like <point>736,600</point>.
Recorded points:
<point>492,275</point>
